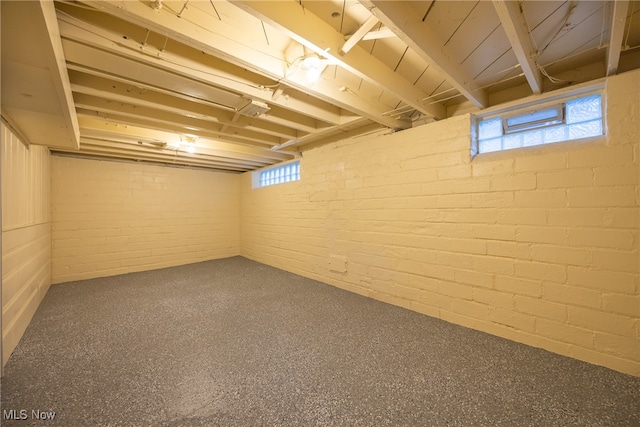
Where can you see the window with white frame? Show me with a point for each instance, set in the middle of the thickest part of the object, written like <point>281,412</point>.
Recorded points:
<point>546,123</point>
<point>277,175</point>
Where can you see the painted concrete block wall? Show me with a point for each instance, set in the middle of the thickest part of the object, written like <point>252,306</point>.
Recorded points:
<point>26,235</point>
<point>538,245</point>
<point>112,217</point>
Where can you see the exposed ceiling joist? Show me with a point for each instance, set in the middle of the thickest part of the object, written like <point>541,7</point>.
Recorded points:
<point>383,33</point>
<point>514,26</point>
<point>114,43</point>
<point>125,151</point>
<point>210,37</point>
<point>97,128</point>
<point>618,20</point>
<point>147,75</point>
<point>358,127</point>
<point>295,123</point>
<point>314,33</point>
<point>168,120</point>
<point>123,114</point>
<point>403,21</point>
<point>358,35</point>
<point>35,84</point>
<point>227,79</point>
<point>109,90</point>
<point>359,124</point>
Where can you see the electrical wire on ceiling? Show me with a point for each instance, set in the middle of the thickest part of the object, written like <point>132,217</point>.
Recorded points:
<point>264,31</point>
<point>565,23</point>
<point>78,5</point>
<point>540,52</point>
<point>542,67</point>
<point>252,47</point>
<point>625,45</point>
<point>604,12</point>
<point>215,10</point>
<point>161,54</point>
<point>344,4</point>
<point>432,97</point>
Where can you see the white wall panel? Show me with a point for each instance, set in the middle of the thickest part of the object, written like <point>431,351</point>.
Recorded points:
<point>537,245</point>
<point>112,218</point>
<point>25,183</point>
<point>26,235</point>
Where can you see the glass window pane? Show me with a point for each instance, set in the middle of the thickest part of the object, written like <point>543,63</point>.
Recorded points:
<point>490,128</point>
<point>490,145</point>
<point>512,141</point>
<point>583,109</point>
<point>586,129</point>
<point>280,174</point>
<point>531,138</point>
<point>584,120</point>
<point>555,134</point>
<point>536,116</point>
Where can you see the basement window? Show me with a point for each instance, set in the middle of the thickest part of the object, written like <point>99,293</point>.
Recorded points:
<point>554,121</point>
<point>277,175</point>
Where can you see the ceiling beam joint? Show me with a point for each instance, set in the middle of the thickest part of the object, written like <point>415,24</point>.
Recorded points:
<point>514,25</point>
<point>404,22</point>
<point>618,21</point>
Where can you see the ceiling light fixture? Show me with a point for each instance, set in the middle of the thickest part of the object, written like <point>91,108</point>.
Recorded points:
<point>188,143</point>
<point>314,66</point>
<point>254,108</point>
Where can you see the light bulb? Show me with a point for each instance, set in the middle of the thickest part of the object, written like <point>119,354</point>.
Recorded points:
<point>313,74</point>
<point>311,62</point>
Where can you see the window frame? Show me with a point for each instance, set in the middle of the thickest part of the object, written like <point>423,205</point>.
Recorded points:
<point>534,124</point>
<point>556,99</point>
<point>256,175</point>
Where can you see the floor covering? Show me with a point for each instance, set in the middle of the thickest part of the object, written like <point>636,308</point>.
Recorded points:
<point>233,342</point>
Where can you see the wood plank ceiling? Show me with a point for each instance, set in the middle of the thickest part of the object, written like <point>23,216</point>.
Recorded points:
<point>237,85</point>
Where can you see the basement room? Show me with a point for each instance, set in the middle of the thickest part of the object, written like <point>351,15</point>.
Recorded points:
<point>320,212</point>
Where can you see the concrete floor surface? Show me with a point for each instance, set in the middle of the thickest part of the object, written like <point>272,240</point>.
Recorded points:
<point>236,343</point>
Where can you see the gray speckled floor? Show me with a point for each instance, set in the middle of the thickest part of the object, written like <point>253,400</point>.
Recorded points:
<point>233,342</point>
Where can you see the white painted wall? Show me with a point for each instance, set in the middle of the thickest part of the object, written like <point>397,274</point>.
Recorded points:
<point>538,245</point>
<point>26,235</point>
<point>114,217</point>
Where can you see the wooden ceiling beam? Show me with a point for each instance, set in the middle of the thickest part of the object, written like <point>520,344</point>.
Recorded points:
<point>309,30</point>
<point>515,27</point>
<point>108,89</point>
<point>618,22</point>
<point>122,114</point>
<point>95,144</point>
<point>164,119</point>
<point>212,36</point>
<point>358,35</point>
<point>357,127</point>
<point>169,157</point>
<point>75,31</point>
<point>403,21</point>
<point>33,66</point>
<point>98,128</point>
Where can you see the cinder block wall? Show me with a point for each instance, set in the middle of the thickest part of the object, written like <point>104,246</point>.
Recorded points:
<point>538,245</point>
<point>111,217</point>
<point>26,235</point>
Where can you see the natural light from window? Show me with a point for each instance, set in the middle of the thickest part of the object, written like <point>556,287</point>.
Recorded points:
<point>575,119</point>
<point>279,174</point>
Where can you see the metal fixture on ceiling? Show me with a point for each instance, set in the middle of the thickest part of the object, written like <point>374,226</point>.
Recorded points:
<point>254,108</point>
